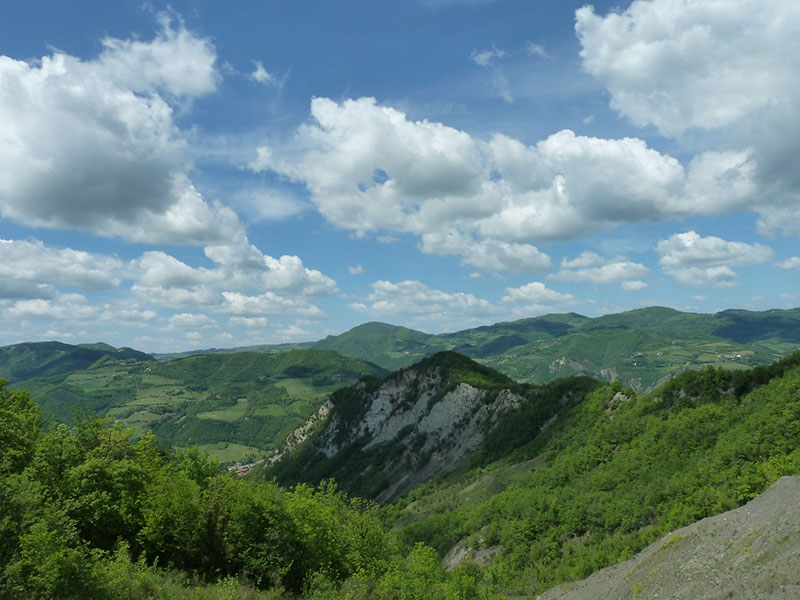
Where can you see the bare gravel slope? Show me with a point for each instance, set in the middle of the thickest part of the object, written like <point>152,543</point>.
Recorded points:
<point>752,552</point>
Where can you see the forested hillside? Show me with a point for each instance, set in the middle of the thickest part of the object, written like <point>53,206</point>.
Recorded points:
<point>641,348</point>
<point>91,513</point>
<point>447,413</point>
<point>235,406</point>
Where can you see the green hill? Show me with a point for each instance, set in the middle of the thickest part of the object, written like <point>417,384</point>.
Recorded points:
<point>641,348</point>
<point>233,405</point>
<point>380,438</point>
<point>612,474</point>
<point>551,483</point>
<point>45,359</point>
<point>390,346</point>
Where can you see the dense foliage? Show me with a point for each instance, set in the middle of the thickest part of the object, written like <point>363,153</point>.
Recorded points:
<point>90,513</point>
<point>236,406</point>
<point>639,347</point>
<point>615,473</point>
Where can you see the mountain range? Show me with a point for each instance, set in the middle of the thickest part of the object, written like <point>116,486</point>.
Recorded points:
<point>240,403</point>
<point>541,482</point>
<point>640,347</point>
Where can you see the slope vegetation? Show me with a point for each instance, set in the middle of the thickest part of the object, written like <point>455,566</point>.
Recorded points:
<point>20,362</point>
<point>613,474</point>
<point>233,405</point>
<point>641,348</point>
<point>747,553</point>
<point>380,438</point>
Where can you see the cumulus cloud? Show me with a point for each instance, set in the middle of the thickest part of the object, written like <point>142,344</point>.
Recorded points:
<point>243,282</point>
<point>175,60</point>
<point>368,168</point>
<point>593,268</point>
<point>419,303</point>
<point>240,266</point>
<point>268,303</point>
<point>792,264</point>
<point>695,261</point>
<point>92,145</point>
<point>192,321</point>
<point>681,64</point>
<point>30,265</point>
<point>633,286</point>
<point>64,307</point>
<point>248,322</point>
<point>490,255</point>
<point>689,66</point>
<point>686,249</point>
<point>536,293</point>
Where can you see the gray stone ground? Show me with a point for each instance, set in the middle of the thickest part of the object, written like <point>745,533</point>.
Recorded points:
<point>752,552</point>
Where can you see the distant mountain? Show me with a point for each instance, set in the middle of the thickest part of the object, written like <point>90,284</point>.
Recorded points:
<point>233,405</point>
<point>266,348</point>
<point>380,438</point>
<point>390,346</point>
<point>640,347</point>
<point>47,359</point>
<point>749,552</point>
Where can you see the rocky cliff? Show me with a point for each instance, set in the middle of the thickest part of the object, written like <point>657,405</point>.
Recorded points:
<point>380,438</point>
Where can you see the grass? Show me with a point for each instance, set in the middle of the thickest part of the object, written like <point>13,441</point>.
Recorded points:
<point>232,413</point>
<point>228,452</point>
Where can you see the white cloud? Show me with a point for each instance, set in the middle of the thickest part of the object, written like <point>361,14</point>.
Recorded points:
<point>537,50</point>
<point>240,266</point>
<point>30,264</point>
<point>63,307</point>
<point>268,303</point>
<point>192,321</point>
<point>535,293</point>
<point>92,145</point>
<point>419,303</point>
<point>594,268</point>
<point>248,322</point>
<point>585,259</point>
<point>721,66</point>
<point>176,61</point>
<point>485,58</point>
<point>260,74</point>
<point>687,249</point>
<point>681,64</point>
<point>716,277</point>
<point>357,270</point>
<point>633,286</point>
<point>695,261</point>
<point>488,60</point>
<point>490,255</point>
<point>368,168</point>
<point>293,333</point>
<point>792,263</point>
<point>263,204</point>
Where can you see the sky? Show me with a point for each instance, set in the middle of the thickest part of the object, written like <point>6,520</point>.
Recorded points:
<point>199,174</point>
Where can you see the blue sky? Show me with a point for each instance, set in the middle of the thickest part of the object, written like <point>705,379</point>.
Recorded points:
<point>197,174</point>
